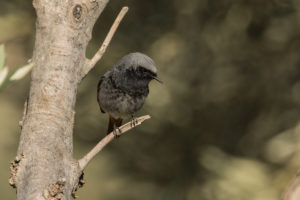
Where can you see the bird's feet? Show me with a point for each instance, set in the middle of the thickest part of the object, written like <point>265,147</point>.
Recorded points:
<point>117,131</point>
<point>133,121</point>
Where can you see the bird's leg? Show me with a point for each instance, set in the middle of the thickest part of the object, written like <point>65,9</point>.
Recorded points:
<point>116,129</point>
<point>133,121</point>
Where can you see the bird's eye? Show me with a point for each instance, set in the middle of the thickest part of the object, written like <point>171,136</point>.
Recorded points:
<point>140,69</point>
<point>143,70</point>
<point>144,73</point>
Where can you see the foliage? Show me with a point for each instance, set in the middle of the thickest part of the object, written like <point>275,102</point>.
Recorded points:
<point>5,75</point>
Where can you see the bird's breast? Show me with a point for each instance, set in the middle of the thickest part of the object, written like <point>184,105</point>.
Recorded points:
<point>120,103</point>
<point>122,98</point>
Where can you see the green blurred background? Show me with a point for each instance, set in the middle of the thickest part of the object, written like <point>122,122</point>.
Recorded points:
<point>225,123</point>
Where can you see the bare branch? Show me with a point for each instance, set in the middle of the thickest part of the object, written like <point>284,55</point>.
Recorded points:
<point>92,62</point>
<point>126,127</point>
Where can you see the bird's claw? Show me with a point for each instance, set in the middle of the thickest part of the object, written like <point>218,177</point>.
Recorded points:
<point>133,122</point>
<point>116,130</point>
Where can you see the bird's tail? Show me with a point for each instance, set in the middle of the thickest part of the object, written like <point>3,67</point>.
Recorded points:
<point>113,123</point>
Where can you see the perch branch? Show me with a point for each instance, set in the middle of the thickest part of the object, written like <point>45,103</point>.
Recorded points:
<point>126,127</point>
<point>92,62</point>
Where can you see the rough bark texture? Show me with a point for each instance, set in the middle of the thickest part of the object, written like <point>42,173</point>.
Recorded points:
<point>63,30</point>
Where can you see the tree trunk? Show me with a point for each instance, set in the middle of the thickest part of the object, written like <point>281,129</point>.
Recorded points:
<point>44,167</point>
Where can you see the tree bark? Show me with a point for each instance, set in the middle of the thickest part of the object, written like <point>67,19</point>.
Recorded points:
<point>44,167</point>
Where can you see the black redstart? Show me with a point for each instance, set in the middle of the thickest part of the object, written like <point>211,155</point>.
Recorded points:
<point>122,90</point>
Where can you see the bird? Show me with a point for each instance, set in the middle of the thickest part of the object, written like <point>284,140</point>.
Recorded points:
<point>123,89</point>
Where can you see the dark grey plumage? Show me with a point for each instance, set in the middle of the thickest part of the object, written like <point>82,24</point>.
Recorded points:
<point>122,90</point>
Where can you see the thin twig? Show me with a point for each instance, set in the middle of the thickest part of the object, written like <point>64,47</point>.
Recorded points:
<point>126,127</point>
<point>92,62</point>
<point>21,123</point>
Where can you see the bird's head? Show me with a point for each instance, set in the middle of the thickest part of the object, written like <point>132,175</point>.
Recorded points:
<point>140,66</point>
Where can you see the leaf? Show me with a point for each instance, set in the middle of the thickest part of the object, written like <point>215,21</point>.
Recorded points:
<point>2,56</point>
<point>21,72</point>
<point>3,75</point>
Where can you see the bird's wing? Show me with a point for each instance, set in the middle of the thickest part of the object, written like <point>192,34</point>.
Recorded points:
<point>98,92</point>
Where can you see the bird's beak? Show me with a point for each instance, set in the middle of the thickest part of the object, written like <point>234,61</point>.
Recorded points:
<point>158,79</point>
